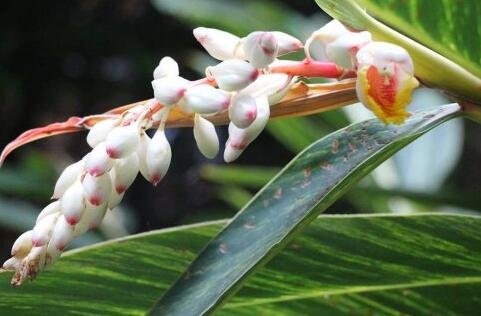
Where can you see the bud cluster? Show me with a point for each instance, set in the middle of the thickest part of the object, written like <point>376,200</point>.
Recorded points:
<point>244,84</point>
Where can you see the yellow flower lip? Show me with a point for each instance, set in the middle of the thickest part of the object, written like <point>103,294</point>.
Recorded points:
<point>386,94</point>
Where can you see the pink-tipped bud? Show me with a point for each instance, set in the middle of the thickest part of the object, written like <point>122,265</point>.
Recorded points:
<point>343,50</point>
<point>67,178</point>
<point>267,85</point>
<point>287,43</point>
<point>124,172</point>
<point>99,132</point>
<point>52,208</point>
<point>62,234</point>
<point>204,99</point>
<point>115,199</point>
<point>206,137</point>
<point>239,138</point>
<point>219,44</point>
<point>142,153</point>
<point>97,189</point>
<point>92,217</point>
<point>12,264</point>
<point>22,245</point>
<point>233,74</point>
<point>169,90</point>
<point>97,162</point>
<point>158,157</point>
<point>73,203</point>
<point>122,141</point>
<point>243,110</point>
<point>260,48</point>
<point>316,44</point>
<point>167,68</point>
<point>42,230</point>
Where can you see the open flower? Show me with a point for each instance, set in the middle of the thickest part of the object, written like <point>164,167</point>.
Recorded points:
<point>385,81</point>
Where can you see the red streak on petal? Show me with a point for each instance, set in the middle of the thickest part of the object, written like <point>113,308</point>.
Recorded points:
<point>382,88</point>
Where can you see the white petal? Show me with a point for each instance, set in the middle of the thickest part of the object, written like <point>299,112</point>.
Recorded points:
<point>233,74</point>
<point>204,99</point>
<point>67,178</point>
<point>142,153</point>
<point>97,162</point>
<point>115,199</point>
<point>260,48</point>
<point>52,208</point>
<point>92,217</point>
<point>219,44</point>
<point>158,157</point>
<point>206,137</point>
<point>99,131</point>
<point>73,203</point>
<point>42,230</point>
<point>243,110</point>
<point>62,234</point>
<point>287,43</point>
<point>343,50</point>
<point>267,85</point>
<point>97,189</point>
<point>124,172</point>
<point>22,245</point>
<point>167,68</point>
<point>381,55</point>
<point>239,138</point>
<point>122,141</point>
<point>12,264</point>
<point>169,90</point>
<point>316,44</point>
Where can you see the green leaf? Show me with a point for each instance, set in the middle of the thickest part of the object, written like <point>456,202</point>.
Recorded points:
<point>451,29</point>
<point>305,187</point>
<point>340,265</point>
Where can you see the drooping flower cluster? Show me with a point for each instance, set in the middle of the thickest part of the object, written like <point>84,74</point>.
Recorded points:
<point>248,79</point>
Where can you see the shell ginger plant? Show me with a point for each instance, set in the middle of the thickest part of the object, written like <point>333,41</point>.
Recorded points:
<point>254,81</point>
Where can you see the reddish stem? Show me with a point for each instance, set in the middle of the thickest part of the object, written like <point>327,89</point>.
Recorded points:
<point>311,68</point>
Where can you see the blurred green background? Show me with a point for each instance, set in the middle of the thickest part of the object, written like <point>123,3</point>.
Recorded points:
<point>69,58</point>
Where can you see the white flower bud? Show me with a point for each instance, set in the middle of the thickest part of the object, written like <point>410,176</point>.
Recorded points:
<point>97,162</point>
<point>243,110</point>
<point>124,172</point>
<point>97,189</point>
<point>52,208</point>
<point>22,245</point>
<point>206,137</point>
<point>92,217</point>
<point>158,157</point>
<point>115,198</point>
<point>204,99</point>
<point>36,261</point>
<point>99,132</point>
<point>287,43</point>
<point>233,74</point>
<point>267,85</point>
<point>316,44</point>
<point>219,44</point>
<point>42,230</point>
<point>52,254</point>
<point>67,178</point>
<point>12,264</point>
<point>169,90</point>
<point>122,141</point>
<point>167,68</point>
<point>62,234</point>
<point>142,153</point>
<point>343,50</point>
<point>240,138</point>
<point>260,48</point>
<point>73,203</point>
<point>383,55</point>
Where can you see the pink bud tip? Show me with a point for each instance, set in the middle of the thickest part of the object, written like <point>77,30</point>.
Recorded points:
<point>95,172</point>
<point>120,189</point>
<point>37,243</point>
<point>226,104</point>
<point>95,200</point>
<point>155,180</point>
<point>72,221</point>
<point>112,153</point>
<point>251,115</point>
<point>254,75</point>
<point>60,247</point>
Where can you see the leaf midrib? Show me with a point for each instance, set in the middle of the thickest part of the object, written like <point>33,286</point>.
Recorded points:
<point>358,290</point>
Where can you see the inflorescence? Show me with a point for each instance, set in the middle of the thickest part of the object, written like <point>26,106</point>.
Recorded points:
<point>249,79</point>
